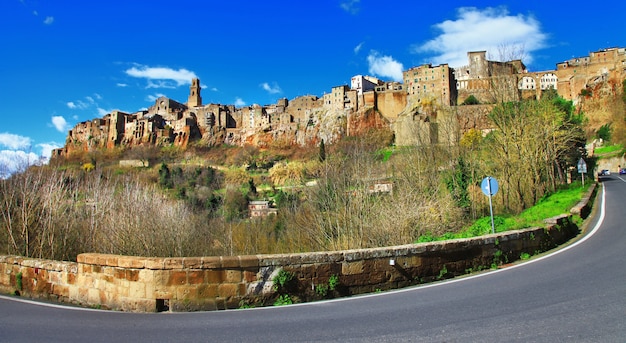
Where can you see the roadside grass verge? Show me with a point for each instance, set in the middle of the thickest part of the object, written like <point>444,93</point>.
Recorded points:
<point>549,206</point>
<point>609,150</point>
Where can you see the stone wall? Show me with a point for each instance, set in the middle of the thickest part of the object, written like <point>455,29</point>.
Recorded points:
<point>142,284</point>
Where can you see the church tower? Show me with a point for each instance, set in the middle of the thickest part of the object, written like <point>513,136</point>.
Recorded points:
<point>194,93</point>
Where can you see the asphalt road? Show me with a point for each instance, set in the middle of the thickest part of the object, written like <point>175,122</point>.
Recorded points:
<point>577,294</point>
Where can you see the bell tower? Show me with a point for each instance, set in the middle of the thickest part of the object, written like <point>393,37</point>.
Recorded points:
<point>194,99</point>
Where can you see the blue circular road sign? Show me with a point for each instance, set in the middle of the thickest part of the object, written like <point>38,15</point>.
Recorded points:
<point>489,186</point>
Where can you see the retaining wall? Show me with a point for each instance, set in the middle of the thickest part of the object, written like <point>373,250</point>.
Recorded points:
<point>142,284</point>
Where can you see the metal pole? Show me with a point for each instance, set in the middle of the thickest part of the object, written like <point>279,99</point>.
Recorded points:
<point>493,230</point>
<point>583,175</point>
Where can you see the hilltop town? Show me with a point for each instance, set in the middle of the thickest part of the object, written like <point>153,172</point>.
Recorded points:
<point>416,110</point>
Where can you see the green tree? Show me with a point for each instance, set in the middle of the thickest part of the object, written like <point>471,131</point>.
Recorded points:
<point>322,154</point>
<point>457,182</point>
<point>531,140</point>
<point>471,100</point>
<point>604,132</point>
<point>252,187</point>
<point>165,177</point>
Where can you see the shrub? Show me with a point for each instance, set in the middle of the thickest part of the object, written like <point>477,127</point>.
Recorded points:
<point>471,100</point>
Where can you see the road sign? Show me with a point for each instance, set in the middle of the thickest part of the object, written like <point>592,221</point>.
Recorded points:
<point>582,166</point>
<point>489,186</point>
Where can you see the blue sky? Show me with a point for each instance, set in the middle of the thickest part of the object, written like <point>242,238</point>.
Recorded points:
<point>68,61</point>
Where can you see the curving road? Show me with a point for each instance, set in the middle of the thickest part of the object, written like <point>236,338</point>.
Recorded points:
<point>577,294</point>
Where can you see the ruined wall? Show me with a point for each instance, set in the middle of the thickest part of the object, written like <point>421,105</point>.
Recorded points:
<point>391,103</point>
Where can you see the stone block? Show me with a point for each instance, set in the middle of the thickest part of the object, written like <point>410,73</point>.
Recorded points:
<point>195,277</point>
<point>101,259</point>
<point>86,258</point>
<point>137,290</point>
<point>177,278</point>
<point>61,290</point>
<point>352,268</point>
<point>131,262</point>
<point>249,261</point>
<point>112,288</point>
<point>173,263</point>
<point>162,295</point>
<point>119,273</point>
<point>146,276</point>
<point>93,296</point>
<point>249,276</point>
<point>241,289</point>
<point>161,277</point>
<point>227,290</point>
<point>108,278</point>
<point>154,263</point>
<point>150,290</point>
<point>207,291</point>
<point>192,262</point>
<point>214,276</point>
<point>211,262</point>
<point>137,305</point>
<point>230,261</point>
<point>71,278</point>
<point>132,274</point>
<point>233,276</point>
<point>186,292</point>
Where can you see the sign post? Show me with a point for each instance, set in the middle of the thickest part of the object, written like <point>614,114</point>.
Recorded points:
<point>582,169</point>
<point>489,187</point>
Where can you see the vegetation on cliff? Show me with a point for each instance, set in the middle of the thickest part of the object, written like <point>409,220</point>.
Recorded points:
<point>356,193</point>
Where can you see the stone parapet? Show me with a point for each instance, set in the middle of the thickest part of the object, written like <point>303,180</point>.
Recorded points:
<point>150,284</point>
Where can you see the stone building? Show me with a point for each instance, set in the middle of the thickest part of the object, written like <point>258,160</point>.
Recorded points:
<point>260,208</point>
<point>576,74</point>
<point>488,81</point>
<point>431,82</point>
<point>194,100</point>
<point>308,119</point>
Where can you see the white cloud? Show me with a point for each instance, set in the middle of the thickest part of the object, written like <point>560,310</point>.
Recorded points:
<point>350,6</point>
<point>161,84</point>
<point>358,48</point>
<point>163,75</point>
<point>78,104</point>
<point>274,89</point>
<point>491,29</point>
<point>48,20</point>
<point>384,66</point>
<point>46,149</point>
<point>239,102</point>
<point>122,85</point>
<point>12,161</point>
<point>102,112</point>
<point>14,142</point>
<point>152,98</point>
<point>60,123</point>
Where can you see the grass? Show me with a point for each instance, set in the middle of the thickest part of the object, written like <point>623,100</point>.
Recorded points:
<point>609,149</point>
<point>549,206</point>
